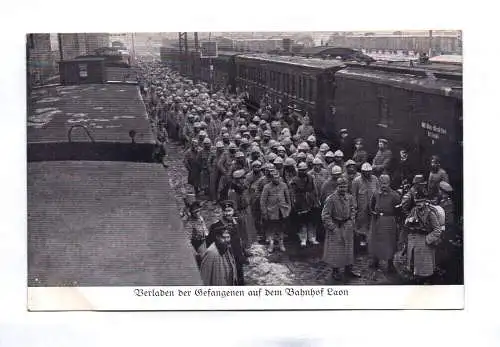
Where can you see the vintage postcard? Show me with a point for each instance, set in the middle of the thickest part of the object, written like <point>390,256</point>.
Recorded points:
<point>245,170</point>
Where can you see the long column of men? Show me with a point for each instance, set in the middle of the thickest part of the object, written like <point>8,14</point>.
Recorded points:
<point>277,185</point>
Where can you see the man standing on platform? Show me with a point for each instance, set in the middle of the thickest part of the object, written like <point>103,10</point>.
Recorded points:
<point>228,221</point>
<point>275,206</point>
<point>382,239</point>
<point>218,265</point>
<point>363,188</point>
<point>338,220</point>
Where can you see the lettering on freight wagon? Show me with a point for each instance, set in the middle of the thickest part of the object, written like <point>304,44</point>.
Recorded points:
<point>433,131</point>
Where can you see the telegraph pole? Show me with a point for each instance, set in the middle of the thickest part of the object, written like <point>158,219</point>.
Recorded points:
<point>59,41</point>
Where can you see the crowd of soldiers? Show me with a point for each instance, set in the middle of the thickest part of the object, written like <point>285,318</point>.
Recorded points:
<point>274,181</point>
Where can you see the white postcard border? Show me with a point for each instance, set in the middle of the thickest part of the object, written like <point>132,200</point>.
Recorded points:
<point>202,298</point>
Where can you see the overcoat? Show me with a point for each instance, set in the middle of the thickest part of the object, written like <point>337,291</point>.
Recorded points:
<point>243,210</point>
<point>337,217</point>
<point>421,259</point>
<point>382,238</point>
<point>217,269</point>
<point>275,200</point>
<point>192,164</point>
<point>363,190</point>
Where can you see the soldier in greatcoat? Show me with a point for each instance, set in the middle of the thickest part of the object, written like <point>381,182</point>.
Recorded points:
<point>239,195</point>
<point>424,231</point>
<point>363,188</point>
<point>331,184</point>
<point>275,206</point>
<point>303,199</point>
<point>382,238</point>
<point>436,175</point>
<point>338,219</point>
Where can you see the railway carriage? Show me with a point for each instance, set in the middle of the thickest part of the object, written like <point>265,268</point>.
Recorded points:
<point>307,83</point>
<point>414,109</point>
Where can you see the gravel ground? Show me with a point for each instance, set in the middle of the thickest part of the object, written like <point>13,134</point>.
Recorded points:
<point>294,267</point>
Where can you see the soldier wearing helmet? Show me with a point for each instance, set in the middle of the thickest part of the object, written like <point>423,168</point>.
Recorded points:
<point>313,148</point>
<point>303,197</point>
<point>338,219</point>
<point>363,189</point>
<point>329,158</point>
<point>331,183</point>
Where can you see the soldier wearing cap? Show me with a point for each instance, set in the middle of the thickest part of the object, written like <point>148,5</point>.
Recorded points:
<point>338,219</point>
<point>303,199</point>
<point>192,165</point>
<point>240,196</point>
<point>363,189</point>
<point>345,143</point>
<point>382,238</point>
<point>360,156</point>
<point>305,129</point>
<point>275,206</point>
<point>330,184</point>
<point>382,161</point>
<point>403,170</point>
<point>436,176</point>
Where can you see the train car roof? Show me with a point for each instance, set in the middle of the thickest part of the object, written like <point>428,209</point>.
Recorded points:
<point>447,59</point>
<point>441,66</point>
<point>109,111</point>
<point>105,224</point>
<point>295,60</point>
<point>426,84</point>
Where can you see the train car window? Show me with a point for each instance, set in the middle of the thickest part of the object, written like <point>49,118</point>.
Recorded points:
<point>301,87</point>
<point>383,109</point>
<point>311,89</point>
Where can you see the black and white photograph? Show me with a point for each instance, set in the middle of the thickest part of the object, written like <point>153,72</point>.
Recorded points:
<point>170,159</point>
